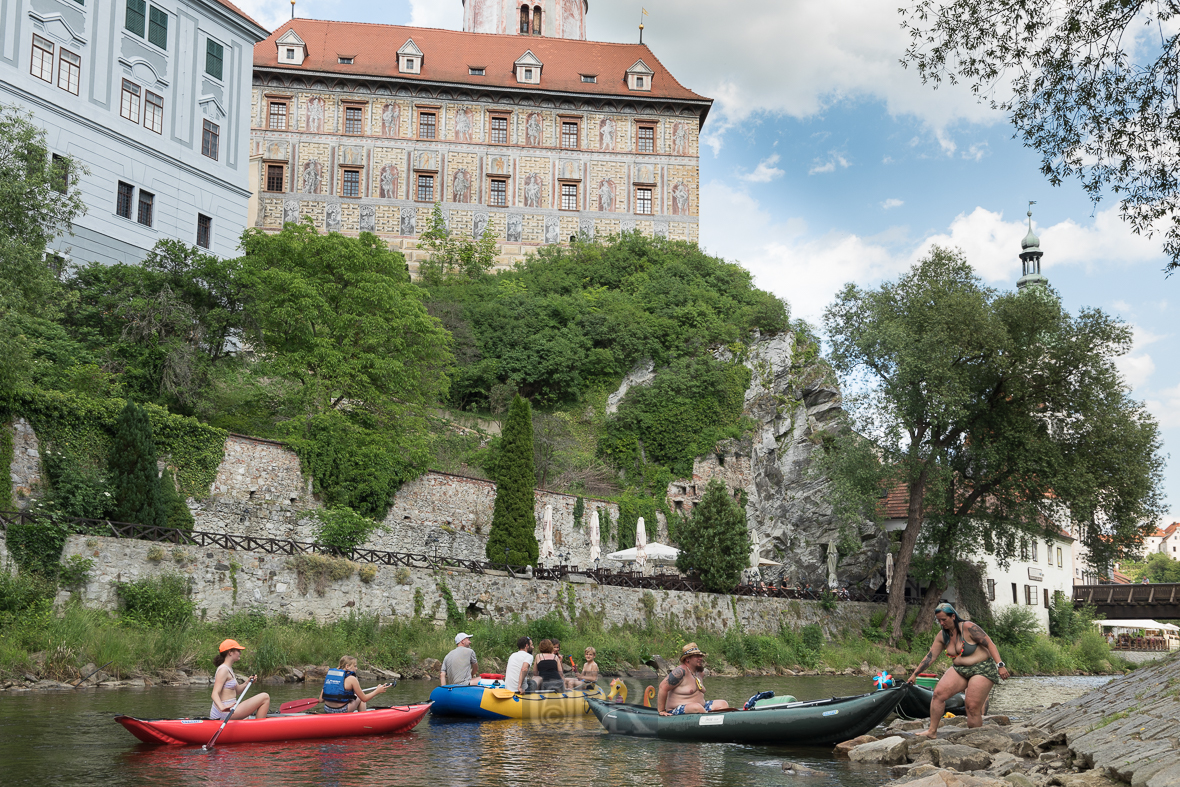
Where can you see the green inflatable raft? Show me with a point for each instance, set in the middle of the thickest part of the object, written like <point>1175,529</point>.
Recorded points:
<point>811,723</point>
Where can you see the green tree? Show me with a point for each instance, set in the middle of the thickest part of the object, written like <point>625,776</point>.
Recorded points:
<point>1158,567</point>
<point>1092,87</point>
<point>453,256</point>
<point>714,542</point>
<point>39,200</point>
<point>135,480</point>
<point>514,520</point>
<point>339,316</point>
<point>1000,413</point>
<point>176,513</point>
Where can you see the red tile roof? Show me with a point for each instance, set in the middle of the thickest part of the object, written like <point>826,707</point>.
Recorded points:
<point>1119,578</point>
<point>1167,531</point>
<point>447,54</point>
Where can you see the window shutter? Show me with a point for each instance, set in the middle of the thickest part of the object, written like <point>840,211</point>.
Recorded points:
<point>214,57</point>
<point>158,27</point>
<point>136,16</point>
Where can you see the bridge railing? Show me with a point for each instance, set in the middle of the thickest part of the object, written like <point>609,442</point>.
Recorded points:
<point>1129,595</point>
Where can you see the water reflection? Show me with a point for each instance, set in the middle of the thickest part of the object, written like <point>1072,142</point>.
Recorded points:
<point>67,739</point>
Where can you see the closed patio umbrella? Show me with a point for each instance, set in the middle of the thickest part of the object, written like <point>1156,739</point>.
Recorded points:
<point>547,550</point>
<point>640,542</point>
<point>595,547</point>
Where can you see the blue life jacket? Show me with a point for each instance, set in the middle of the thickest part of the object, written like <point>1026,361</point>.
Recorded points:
<point>334,690</point>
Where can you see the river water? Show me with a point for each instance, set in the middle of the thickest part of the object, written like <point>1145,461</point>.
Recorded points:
<point>61,738</point>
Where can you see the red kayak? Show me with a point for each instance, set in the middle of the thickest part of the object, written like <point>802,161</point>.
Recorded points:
<point>286,727</point>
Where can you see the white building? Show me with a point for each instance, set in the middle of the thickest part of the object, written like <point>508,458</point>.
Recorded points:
<point>1042,568</point>
<point>153,97</point>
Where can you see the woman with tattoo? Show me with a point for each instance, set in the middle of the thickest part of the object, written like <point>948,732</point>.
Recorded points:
<point>976,667</point>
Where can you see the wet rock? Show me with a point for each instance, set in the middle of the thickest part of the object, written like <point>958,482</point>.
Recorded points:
<point>842,748</point>
<point>945,778</point>
<point>173,677</point>
<point>795,769</point>
<point>1025,749</point>
<point>915,772</point>
<point>1019,780</point>
<point>273,680</point>
<point>314,674</point>
<point>990,740</point>
<point>887,751</point>
<point>1004,763</point>
<point>961,758</point>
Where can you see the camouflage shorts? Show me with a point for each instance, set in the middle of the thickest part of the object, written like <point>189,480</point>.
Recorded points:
<point>987,669</point>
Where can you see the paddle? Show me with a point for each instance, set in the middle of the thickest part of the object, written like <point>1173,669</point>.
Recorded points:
<point>229,715</point>
<point>297,705</point>
<point>91,675</point>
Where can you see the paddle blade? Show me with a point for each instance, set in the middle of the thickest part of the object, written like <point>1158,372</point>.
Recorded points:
<point>502,694</point>
<point>295,706</point>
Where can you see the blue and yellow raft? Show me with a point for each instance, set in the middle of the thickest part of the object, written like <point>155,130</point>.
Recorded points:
<point>496,702</point>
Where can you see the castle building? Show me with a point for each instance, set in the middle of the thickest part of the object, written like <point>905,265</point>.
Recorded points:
<point>153,98</point>
<point>527,130</point>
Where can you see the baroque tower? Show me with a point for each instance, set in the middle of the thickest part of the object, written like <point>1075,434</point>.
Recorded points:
<point>550,18</point>
<point>1030,257</point>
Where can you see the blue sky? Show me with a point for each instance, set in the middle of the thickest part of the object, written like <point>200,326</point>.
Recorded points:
<point>827,162</point>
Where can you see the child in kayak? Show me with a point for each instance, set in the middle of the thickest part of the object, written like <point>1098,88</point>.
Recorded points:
<point>226,688</point>
<point>342,692</point>
<point>589,672</point>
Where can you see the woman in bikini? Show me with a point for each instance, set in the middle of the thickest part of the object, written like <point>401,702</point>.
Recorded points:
<point>976,667</point>
<point>226,688</point>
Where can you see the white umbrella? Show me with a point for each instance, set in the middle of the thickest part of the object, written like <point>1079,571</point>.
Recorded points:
<point>889,572</point>
<point>640,542</point>
<point>656,552</point>
<point>595,548</point>
<point>547,550</point>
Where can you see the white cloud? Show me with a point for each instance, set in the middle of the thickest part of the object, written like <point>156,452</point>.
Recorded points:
<point>809,269</point>
<point>436,13</point>
<point>835,159</point>
<point>790,57</point>
<point>765,172</point>
<point>1166,407</point>
<point>892,202</point>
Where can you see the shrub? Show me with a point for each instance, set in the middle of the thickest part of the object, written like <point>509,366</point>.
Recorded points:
<point>155,553</point>
<point>513,516</point>
<point>22,592</point>
<point>75,571</point>
<point>75,490</point>
<point>176,513</point>
<point>812,636</point>
<point>134,476</point>
<point>36,544</point>
<point>1015,625</point>
<point>1091,652</point>
<point>715,542</point>
<point>318,570</point>
<point>367,573</point>
<point>343,529</point>
<point>402,576</point>
<point>162,600</point>
<point>549,627</point>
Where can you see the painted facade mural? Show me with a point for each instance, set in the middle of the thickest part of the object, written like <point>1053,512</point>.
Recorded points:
<point>571,170</point>
<point>332,216</point>
<point>391,120</point>
<point>532,129</point>
<point>315,115</point>
<point>352,156</point>
<point>313,173</point>
<point>479,225</point>
<point>463,125</point>
<point>680,139</point>
<point>552,229</point>
<point>499,165</point>
<point>387,182</point>
<point>680,199</point>
<point>409,216</point>
<point>532,190</point>
<point>368,219</point>
<point>290,211</point>
<point>515,227</point>
<point>606,133</point>
<point>606,196</point>
<point>461,187</point>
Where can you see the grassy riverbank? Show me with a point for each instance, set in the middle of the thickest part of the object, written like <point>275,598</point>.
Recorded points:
<point>55,644</point>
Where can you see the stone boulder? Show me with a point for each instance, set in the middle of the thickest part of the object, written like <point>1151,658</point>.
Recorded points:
<point>944,778</point>
<point>431,666</point>
<point>887,751</point>
<point>961,758</point>
<point>844,747</point>
<point>1004,763</point>
<point>990,740</point>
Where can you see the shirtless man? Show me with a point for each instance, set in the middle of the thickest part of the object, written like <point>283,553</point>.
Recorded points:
<point>682,691</point>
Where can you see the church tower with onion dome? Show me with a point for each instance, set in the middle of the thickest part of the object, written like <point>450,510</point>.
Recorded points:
<point>548,18</point>
<point>1030,258</point>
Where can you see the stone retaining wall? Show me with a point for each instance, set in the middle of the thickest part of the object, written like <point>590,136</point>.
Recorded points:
<point>224,581</point>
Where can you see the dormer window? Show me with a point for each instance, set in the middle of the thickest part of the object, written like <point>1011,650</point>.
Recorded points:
<point>409,58</point>
<point>291,49</point>
<point>476,72</point>
<point>344,61</point>
<point>639,76</point>
<point>591,78</point>
<point>528,69</point>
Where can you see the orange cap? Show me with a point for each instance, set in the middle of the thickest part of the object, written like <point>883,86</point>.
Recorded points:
<point>229,644</point>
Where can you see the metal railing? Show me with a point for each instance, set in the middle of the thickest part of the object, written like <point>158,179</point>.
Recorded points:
<point>283,546</point>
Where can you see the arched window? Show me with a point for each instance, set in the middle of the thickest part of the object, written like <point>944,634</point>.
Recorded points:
<point>524,20</point>
<point>536,20</point>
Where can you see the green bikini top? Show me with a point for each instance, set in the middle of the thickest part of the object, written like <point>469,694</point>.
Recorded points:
<point>968,647</point>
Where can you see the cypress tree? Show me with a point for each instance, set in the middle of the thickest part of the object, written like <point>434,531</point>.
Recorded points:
<point>513,518</point>
<point>135,480</point>
<point>714,541</point>
<point>176,513</point>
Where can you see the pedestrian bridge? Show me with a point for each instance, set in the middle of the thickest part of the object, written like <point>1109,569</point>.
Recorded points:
<point>1130,601</point>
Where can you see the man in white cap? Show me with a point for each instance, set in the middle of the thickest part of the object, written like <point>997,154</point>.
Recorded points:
<point>460,667</point>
